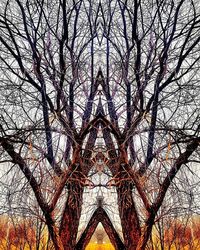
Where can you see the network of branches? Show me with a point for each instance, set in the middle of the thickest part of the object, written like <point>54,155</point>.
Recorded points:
<point>99,105</point>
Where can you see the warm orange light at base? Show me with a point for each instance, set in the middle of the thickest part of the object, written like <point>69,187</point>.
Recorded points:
<point>94,246</point>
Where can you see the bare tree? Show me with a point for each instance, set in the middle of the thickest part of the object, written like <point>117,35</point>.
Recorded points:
<point>108,87</point>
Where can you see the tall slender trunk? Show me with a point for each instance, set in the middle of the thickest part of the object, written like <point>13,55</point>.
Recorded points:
<point>53,231</point>
<point>146,232</point>
<point>129,218</point>
<point>70,218</point>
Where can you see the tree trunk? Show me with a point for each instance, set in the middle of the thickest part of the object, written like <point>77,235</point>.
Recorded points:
<point>70,219</point>
<point>53,231</point>
<point>111,232</point>
<point>129,218</point>
<point>100,215</point>
<point>88,232</point>
<point>146,232</point>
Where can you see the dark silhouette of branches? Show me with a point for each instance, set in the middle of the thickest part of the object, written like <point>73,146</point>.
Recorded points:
<point>99,96</point>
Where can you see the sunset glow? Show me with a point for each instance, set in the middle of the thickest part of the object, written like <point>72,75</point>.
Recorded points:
<point>94,246</point>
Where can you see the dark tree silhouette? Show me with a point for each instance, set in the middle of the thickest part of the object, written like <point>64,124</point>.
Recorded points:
<point>100,87</point>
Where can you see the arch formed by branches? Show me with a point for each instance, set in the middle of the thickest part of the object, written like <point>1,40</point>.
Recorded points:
<point>99,95</point>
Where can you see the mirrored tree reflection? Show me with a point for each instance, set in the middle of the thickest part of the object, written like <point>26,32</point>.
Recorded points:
<point>99,123</point>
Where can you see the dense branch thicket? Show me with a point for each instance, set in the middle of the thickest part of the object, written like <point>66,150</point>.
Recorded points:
<point>100,88</point>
